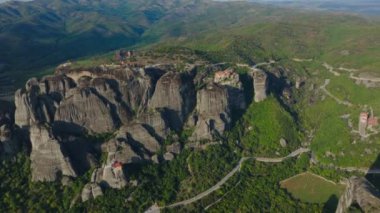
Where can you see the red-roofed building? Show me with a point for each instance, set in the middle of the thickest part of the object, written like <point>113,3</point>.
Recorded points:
<point>223,75</point>
<point>117,165</point>
<point>373,121</point>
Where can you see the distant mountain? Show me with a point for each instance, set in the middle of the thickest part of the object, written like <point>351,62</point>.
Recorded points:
<point>43,33</point>
<point>365,7</point>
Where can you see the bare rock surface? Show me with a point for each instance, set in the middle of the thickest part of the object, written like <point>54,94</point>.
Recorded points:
<point>85,108</point>
<point>91,191</point>
<point>361,192</point>
<point>110,177</point>
<point>212,112</point>
<point>7,146</point>
<point>137,135</point>
<point>47,156</point>
<point>174,94</point>
<point>260,84</point>
<point>120,151</point>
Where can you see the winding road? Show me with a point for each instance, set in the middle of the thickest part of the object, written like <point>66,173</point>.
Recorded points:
<point>155,208</point>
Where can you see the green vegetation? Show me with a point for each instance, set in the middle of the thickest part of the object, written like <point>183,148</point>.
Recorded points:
<point>256,189</point>
<point>311,188</point>
<point>19,193</point>
<point>264,124</point>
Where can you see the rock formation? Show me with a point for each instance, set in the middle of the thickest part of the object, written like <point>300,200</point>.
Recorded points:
<point>174,95</point>
<point>86,109</point>
<point>91,191</point>
<point>120,151</point>
<point>137,135</point>
<point>212,116</point>
<point>110,176</point>
<point>48,160</point>
<point>6,144</point>
<point>140,105</point>
<point>361,192</point>
<point>260,84</point>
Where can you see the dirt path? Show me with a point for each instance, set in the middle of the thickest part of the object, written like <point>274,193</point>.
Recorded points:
<point>302,60</point>
<point>364,79</point>
<point>330,69</point>
<point>263,64</point>
<point>323,88</point>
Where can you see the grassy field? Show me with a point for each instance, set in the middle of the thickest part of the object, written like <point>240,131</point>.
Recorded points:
<point>311,188</point>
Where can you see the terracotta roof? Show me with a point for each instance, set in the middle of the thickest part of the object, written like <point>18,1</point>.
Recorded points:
<point>373,121</point>
<point>117,165</point>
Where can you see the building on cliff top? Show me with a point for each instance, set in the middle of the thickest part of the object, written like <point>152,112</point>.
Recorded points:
<point>224,75</point>
<point>123,55</point>
<point>117,166</point>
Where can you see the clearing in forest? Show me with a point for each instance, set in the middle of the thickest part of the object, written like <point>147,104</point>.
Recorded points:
<point>312,188</point>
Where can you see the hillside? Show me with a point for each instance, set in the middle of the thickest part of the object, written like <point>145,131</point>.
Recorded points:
<point>38,35</point>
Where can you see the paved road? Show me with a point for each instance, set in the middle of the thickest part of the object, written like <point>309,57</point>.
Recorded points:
<point>156,209</point>
<point>279,160</point>
<point>212,189</point>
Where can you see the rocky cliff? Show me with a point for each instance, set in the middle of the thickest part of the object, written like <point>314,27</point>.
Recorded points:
<point>7,146</point>
<point>48,159</point>
<point>260,84</point>
<point>361,192</point>
<point>139,105</point>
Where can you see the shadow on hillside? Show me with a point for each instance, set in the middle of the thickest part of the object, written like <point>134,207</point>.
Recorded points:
<point>375,178</point>
<point>331,204</point>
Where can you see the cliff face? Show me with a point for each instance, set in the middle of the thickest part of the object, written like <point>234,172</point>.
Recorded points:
<point>47,156</point>
<point>260,84</point>
<point>139,106</point>
<point>212,116</point>
<point>361,192</point>
<point>175,96</point>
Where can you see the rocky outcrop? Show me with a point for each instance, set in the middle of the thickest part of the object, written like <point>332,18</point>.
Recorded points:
<point>136,90</point>
<point>361,192</point>
<point>48,160</point>
<point>175,96</point>
<point>120,151</point>
<point>84,108</point>
<point>110,176</point>
<point>260,84</point>
<point>7,147</point>
<point>155,122</point>
<point>91,191</point>
<point>141,105</point>
<point>212,115</point>
<point>56,86</point>
<point>138,136</point>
